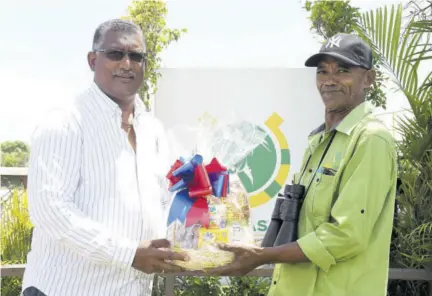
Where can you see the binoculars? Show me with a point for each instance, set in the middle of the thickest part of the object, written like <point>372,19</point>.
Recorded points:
<point>283,226</point>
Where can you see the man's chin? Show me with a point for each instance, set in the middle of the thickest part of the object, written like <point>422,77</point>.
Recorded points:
<point>329,107</point>
<point>332,96</point>
<point>125,90</point>
<point>331,102</point>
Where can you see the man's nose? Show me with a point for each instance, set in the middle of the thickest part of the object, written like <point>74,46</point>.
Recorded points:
<point>125,63</point>
<point>330,80</point>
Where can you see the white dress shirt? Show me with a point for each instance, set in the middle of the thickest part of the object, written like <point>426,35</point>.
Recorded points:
<point>92,199</point>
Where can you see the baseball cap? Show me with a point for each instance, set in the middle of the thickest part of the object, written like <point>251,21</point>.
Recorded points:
<point>347,48</point>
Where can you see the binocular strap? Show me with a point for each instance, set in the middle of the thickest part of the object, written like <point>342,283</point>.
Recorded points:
<point>319,164</point>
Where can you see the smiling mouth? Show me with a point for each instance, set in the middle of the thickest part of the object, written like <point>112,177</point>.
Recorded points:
<point>124,78</point>
<point>331,91</point>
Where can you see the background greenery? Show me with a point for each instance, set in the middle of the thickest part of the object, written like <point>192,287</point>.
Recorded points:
<point>15,238</point>
<point>14,154</point>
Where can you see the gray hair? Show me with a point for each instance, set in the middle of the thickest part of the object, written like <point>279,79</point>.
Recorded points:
<point>115,25</point>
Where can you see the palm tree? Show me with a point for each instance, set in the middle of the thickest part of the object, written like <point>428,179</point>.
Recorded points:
<point>404,46</point>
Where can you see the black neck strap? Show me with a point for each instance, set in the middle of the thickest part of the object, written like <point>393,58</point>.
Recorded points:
<point>319,164</point>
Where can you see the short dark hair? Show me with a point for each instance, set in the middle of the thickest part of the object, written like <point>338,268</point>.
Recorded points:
<point>113,25</point>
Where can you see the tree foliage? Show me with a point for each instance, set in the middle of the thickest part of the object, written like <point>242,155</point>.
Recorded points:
<point>150,16</point>
<point>14,154</point>
<point>420,10</point>
<point>212,285</point>
<point>331,17</point>
<point>15,238</point>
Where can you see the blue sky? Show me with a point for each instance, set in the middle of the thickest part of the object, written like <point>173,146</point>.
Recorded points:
<point>45,42</point>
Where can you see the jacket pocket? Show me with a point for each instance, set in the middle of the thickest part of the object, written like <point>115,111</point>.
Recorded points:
<point>323,196</point>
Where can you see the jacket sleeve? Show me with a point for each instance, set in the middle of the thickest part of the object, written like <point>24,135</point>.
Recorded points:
<point>53,178</point>
<point>366,188</point>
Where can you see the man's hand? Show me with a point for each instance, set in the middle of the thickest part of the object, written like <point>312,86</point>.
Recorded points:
<point>151,257</point>
<point>246,259</point>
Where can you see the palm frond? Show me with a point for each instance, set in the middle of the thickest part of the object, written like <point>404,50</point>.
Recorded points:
<point>423,26</point>
<point>400,51</point>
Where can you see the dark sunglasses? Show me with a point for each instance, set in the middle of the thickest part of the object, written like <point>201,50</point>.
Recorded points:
<point>118,55</point>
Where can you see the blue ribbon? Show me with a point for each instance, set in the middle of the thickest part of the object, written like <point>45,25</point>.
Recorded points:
<point>180,206</point>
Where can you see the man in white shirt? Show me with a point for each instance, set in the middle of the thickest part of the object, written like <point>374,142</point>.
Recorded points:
<point>95,184</point>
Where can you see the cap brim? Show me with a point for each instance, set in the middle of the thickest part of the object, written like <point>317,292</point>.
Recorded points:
<point>314,60</point>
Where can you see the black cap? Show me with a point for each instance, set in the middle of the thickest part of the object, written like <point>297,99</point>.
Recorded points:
<point>347,48</point>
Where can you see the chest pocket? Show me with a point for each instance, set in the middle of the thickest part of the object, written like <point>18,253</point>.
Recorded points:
<point>322,196</point>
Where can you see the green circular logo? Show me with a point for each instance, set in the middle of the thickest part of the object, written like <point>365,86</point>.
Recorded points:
<point>259,166</point>
<point>258,155</point>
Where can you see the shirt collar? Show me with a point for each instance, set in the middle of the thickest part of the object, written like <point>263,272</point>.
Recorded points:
<point>353,118</point>
<point>349,122</point>
<point>105,102</point>
<point>139,106</point>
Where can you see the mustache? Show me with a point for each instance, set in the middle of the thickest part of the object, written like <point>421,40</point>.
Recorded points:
<point>125,74</point>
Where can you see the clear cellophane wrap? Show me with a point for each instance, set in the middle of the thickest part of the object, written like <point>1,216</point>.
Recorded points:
<point>229,219</point>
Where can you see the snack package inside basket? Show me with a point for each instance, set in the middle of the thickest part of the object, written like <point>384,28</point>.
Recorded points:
<point>209,205</point>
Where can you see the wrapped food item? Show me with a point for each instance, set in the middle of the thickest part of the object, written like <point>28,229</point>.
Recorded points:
<point>210,206</point>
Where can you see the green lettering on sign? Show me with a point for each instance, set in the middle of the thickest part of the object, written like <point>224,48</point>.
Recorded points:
<point>262,225</point>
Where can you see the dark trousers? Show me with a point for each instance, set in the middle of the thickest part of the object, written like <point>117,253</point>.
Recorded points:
<point>33,291</point>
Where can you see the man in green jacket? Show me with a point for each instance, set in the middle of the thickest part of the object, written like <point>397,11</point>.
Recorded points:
<point>345,223</point>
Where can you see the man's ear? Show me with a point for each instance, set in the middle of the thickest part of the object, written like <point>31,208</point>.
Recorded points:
<point>91,59</point>
<point>369,78</point>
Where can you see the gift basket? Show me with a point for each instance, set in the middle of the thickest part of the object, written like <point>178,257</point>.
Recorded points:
<point>209,204</point>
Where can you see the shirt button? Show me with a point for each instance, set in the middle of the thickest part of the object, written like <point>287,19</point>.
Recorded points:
<point>274,283</point>
<point>310,171</point>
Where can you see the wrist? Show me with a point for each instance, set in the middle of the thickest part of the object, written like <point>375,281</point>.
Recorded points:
<point>289,253</point>
<point>125,252</point>
<point>140,253</point>
<point>268,255</point>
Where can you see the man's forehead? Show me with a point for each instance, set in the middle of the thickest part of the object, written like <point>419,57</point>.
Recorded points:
<point>119,39</point>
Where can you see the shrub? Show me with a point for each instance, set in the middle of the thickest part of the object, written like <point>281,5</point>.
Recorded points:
<point>15,238</point>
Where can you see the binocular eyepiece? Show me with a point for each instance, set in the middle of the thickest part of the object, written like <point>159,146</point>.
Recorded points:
<point>283,225</point>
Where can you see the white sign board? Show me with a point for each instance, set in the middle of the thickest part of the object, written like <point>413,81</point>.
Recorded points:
<point>284,103</point>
